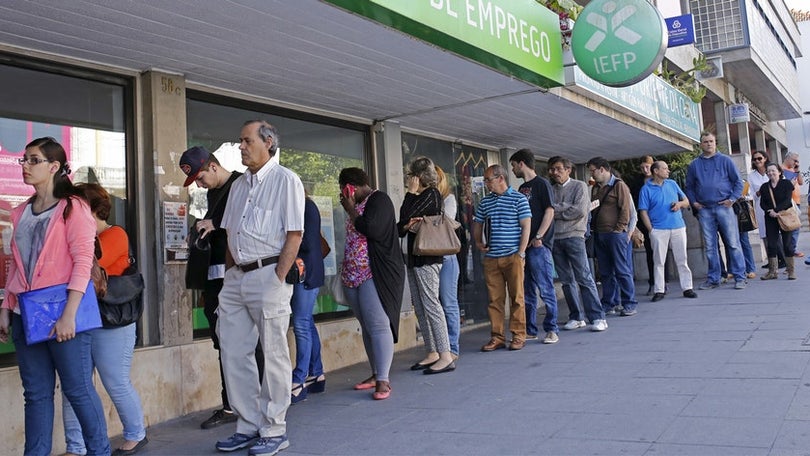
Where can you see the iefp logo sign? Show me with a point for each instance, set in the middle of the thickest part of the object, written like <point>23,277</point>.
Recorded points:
<point>619,42</point>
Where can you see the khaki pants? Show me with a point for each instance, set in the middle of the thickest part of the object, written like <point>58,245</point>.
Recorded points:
<point>256,305</point>
<point>504,275</point>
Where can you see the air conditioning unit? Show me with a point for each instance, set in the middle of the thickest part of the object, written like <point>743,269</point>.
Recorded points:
<point>715,70</point>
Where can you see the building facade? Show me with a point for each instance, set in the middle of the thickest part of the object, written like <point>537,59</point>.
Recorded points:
<point>128,87</point>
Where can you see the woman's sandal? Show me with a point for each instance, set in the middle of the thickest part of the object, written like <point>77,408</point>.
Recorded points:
<point>382,390</point>
<point>301,396</point>
<point>316,384</point>
<point>366,384</point>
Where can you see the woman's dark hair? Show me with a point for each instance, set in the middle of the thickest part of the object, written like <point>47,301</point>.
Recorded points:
<point>777,167</point>
<point>760,152</point>
<point>98,198</point>
<point>354,176</point>
<point>63,187</point>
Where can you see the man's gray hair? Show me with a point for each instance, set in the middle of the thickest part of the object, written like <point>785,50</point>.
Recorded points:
<point>791,155</point>
<point>266,130</point>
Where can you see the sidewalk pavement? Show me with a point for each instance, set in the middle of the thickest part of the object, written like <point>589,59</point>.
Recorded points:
<point>724,374</point>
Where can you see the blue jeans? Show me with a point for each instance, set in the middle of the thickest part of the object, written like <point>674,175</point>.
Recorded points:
<point>378,340</point>
<point>748,252</point>
<point>721,219</point>
<point>574,271</point>
<point>307,341</point>
<point>795,237</point>
<point>616,269</point>
<point>112,351</point>
<point>38,365</point>
<point>448,295</point>
<point>538,274</point>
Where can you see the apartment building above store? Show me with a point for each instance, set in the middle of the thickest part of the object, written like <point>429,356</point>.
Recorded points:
<point>758,43</point>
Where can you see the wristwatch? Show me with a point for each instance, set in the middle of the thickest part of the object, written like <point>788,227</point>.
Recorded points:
<point>538,236</point>
<point>522,254</point>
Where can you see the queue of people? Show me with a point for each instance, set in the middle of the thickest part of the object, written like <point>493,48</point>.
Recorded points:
<point>260,226</point>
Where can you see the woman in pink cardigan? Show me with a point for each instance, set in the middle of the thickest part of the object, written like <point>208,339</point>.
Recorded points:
<point>53,244</point>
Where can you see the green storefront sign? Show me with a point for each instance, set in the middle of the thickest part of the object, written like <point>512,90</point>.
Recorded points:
<point>619,42</point>
<point>651,98</point>
<point>517,37</point>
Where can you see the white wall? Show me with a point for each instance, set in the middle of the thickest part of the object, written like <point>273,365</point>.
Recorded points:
<point>798,130</point>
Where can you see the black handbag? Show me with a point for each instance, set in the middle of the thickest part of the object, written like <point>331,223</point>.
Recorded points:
<point>746,219</point>
<point>123,303</point>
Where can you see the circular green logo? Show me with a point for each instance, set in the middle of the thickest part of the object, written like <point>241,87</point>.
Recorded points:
<point>619,42</point>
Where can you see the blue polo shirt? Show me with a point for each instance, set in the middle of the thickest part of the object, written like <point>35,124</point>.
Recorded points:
<point>503,213</point>
<point>657,201</point>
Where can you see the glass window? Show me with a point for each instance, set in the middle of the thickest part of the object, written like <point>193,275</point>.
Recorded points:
<point>84,114</point>
<point>315,148</point>
<point>464,166</point>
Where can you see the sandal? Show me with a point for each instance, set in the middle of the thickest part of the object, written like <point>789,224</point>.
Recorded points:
<point>366,384</point>
<point>316,384</point>
<point>382,390</point>
<point>300,396</point>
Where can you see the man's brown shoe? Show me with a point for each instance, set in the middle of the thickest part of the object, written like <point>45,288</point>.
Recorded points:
<point>517,344</point>
<point>493,345</point>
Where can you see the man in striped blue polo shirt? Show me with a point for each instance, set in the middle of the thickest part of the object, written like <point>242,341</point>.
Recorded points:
<point>507,214</point>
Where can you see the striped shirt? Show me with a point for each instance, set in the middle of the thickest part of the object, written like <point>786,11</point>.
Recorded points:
<point>261,209</point>
<point>503,213</point>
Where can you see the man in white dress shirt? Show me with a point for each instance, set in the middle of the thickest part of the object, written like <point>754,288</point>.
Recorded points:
<point>264,218</point>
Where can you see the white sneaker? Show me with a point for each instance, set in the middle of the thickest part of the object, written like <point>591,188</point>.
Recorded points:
<point>574,324</point>
<point>599,325</point>
<point>551,338</point>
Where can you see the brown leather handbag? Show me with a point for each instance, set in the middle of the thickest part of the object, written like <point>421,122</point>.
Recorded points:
<point>436,236</point>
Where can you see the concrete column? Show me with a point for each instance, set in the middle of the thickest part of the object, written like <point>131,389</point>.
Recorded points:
<point>503,160</point>
<point>759,140</point>
<point>744,139</point>
<point>722,134</point>
<point>388,160</point>
<point>775,151</point>
<point>164,127</point>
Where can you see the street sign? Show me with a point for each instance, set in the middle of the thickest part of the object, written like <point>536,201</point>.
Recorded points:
<point>738,113</point>
<point>681,30</point>
<point>619,42</point>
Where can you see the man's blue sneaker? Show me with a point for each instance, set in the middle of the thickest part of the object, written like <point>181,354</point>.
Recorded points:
<point>236,442</point>
<point>268,446</point>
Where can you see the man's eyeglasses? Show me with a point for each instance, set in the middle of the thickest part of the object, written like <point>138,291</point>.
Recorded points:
<point>33,161</point>
<point>490,179</point>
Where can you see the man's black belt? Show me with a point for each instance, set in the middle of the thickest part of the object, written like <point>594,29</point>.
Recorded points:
<point>260,263</point>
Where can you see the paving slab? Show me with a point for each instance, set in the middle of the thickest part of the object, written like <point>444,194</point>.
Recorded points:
<point>725,374</point>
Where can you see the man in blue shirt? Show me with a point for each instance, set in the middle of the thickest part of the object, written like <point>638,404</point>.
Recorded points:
<point>712,185</point>
<point>659,205</point>
<point>509,218</point>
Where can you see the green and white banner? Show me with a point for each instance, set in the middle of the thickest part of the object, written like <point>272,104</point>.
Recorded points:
<point>520,38</point>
